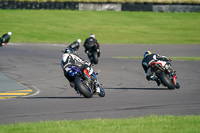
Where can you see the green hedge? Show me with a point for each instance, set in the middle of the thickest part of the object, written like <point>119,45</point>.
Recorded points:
<point>120,1</point>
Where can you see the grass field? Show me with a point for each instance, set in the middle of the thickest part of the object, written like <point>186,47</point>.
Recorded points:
<point>149,124</point>
<point>110,27</point>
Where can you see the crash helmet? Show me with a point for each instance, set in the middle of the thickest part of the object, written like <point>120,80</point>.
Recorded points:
<point>69,50</point>
<point>79,40</point>
<point>147,53</point>
<point>9,33</point>
<point>92,35</point>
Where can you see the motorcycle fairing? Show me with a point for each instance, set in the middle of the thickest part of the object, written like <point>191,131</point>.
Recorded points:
<point>86,72</point>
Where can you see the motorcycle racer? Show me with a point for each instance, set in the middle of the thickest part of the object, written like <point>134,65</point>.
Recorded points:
<point>91,42</point>
<point>150,57</point>
<point>70,59</point>
<point>5,39</point>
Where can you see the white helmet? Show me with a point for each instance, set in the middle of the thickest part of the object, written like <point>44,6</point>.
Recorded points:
<point>79,40</point>
<point>92,35</point>
<point>9,33</point>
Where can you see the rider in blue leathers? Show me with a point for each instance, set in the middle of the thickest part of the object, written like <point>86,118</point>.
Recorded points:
<point>69,58</point>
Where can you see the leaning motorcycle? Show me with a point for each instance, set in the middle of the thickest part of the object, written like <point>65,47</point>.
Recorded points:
<point>166,75</point>
<point>93,54</point>
<point>5,39</point>
<point>86,84</point>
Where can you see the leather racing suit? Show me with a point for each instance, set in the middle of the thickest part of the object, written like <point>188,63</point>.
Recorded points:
<point>90,43</point>
<point>146,65</point>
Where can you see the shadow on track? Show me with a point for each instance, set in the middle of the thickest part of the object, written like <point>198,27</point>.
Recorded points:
<point>136,89</point>
<point>52,97</point>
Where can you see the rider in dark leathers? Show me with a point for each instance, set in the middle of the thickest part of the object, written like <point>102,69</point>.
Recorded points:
<point>75,45</point>
<point>148,58</point>
<point>71,59</point>
<point>5,39</point>
<point>91,42</point>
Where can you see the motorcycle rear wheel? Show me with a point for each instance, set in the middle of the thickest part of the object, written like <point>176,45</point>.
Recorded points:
<point>166,81</point>
<point>84,89</point>
<point>95,57</point>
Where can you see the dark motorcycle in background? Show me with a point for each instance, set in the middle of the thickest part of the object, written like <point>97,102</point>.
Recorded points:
<point>166,75</point>
<point>86,84</point>
<point>93,54</point>
<point>5,39</point>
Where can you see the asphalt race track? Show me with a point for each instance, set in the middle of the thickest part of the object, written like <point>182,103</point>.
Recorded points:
<point>128,93</point>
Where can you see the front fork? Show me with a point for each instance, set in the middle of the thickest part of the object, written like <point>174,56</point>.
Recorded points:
<point>96,82</point>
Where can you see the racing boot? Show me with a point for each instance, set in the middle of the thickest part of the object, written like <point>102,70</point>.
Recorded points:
<point>155,78</point>
<point>158,82</point>
<point>98,52</point>
<point>73,86</point>
<point>97,88</point>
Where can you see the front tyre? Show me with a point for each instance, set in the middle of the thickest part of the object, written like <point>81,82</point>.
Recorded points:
<point>83,87</point>
<point>166,81</point>
<point>177,85</point>
<point>102,92</point>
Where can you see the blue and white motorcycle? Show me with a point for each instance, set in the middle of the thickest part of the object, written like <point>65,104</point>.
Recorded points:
<point>85,83</point>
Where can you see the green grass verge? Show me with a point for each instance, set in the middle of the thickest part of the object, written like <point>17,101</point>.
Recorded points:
<point>172,58</point>
<point>149,124</point>
<point>65,26</point>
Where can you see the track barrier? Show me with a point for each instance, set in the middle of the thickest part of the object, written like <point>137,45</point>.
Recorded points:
<point>154,7</point>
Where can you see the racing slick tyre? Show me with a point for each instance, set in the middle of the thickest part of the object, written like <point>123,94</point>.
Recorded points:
<point>166,81</point>
<point>83,87</point>
<point>95,57</point>
<point>177,86</point>
<point>102,92</point>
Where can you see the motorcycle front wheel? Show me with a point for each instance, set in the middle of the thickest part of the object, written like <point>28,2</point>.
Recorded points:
<point>177,86</point>
<point>102,92</point>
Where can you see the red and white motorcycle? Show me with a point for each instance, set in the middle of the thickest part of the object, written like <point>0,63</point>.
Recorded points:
<point>166,75</point>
